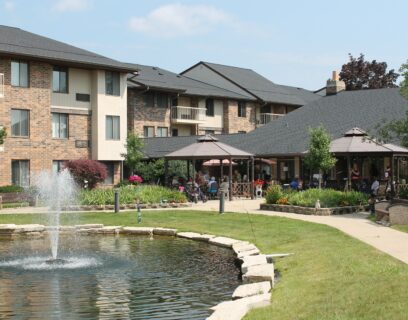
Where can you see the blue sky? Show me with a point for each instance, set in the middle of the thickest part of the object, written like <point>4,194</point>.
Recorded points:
<point>295,43</point>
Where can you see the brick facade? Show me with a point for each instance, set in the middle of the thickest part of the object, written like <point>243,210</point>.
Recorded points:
<point>39,147</point>
<point>233,123</point>
<point>140,115</point>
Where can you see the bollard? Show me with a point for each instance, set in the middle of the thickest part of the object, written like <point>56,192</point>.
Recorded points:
<point>116,200</point>
<point>222,201</point>
<point>139,213</point>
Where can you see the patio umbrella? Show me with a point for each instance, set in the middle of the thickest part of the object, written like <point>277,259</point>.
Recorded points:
<point>216,163</point>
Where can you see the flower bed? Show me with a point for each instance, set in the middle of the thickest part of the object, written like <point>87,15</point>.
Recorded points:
<point>314,201</point>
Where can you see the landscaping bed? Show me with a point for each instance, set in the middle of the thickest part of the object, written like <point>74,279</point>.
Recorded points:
<point>314,201</point>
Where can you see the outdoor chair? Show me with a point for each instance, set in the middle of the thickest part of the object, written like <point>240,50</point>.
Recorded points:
<point>213,190</point>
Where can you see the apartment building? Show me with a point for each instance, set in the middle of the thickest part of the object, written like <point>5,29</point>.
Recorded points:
<point>162,103</point>
<point>58,103</point>
<point>273,100</point>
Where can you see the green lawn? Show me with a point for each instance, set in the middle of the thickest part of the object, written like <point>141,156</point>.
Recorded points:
<point>401,228</point>
<point>330,275</point>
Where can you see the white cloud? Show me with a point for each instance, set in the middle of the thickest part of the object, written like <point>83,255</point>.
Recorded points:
<point>71,5</point>
<point>9,5</point>
<point>178,20</point>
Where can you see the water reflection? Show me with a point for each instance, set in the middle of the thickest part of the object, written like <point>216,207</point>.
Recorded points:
<point>131,278</point>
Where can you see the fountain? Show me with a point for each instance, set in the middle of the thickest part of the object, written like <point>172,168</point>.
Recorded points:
<point>55,191</point>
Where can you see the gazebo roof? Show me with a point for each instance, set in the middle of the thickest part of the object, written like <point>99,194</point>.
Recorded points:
<point>208,147</point>
<point>356,140</point>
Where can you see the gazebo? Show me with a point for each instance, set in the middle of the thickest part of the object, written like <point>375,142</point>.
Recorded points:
<point>208,147</point>
<point>356,142</point>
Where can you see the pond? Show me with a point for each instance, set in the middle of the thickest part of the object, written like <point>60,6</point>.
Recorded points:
<point>114,277</point>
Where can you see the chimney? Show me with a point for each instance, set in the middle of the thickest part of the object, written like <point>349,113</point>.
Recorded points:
<point>334,85</point>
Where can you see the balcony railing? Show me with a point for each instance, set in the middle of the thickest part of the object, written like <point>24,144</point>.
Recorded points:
<point>268,117</point>
<point>180,114</point>
<point>1,85</point>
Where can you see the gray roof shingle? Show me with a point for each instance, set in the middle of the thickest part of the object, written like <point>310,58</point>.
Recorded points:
<point>261,87</point>
<point>158,78</point>
<point>14,41</point>
<point>289,135</point>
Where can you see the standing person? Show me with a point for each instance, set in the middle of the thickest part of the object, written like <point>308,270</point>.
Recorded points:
<point>373,195</point>
<point>355,177</point>
<point>387,176</point>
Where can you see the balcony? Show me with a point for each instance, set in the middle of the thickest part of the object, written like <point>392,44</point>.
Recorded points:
<point>180,114</point>
<point>268,117</point>
<point>1,85</point>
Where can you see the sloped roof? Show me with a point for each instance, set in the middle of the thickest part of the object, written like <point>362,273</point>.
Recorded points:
<point>208,147</point>
<point>15,41</point>
<point>260,87</point>
<point>289,135</point>
<point>158,78</point>
<point>356,140</point>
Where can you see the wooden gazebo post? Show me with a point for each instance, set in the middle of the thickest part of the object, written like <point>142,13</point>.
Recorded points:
<point>252,177</point>
<point>348,173</point>
<point>222,170</point>
<point>391,179</point>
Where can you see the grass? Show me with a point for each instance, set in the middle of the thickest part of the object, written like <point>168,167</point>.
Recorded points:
<point>403,228</point>
<point>330,275</point>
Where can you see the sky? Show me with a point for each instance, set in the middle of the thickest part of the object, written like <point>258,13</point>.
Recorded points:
<point>297,43</point>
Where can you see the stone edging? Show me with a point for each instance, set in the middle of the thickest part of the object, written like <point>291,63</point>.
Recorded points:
<point>312,211</point>
<point>257,269</point>
<point>124,206</point>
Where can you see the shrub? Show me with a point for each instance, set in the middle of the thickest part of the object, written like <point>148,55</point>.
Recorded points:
<point>83,170</point>
<point>12,188</point>
<point>403,193</point>
<point>283,200</point>
<point>273,194</point>
<point>130,194</point>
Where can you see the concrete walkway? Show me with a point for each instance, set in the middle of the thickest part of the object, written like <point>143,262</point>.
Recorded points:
<point>386,239</point>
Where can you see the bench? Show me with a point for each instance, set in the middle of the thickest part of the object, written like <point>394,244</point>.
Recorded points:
<point>16,197</point>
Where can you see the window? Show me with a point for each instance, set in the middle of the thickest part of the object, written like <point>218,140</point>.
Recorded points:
<point>110,168</point>
<point>148,132</point>
<point>174,102</point>
<point>242,109</point>
<point>148,99</point>
<point>57,166</point>
<point>209,105</point>
<point>112,128</point>
<point>19,74</point>
<point>19,123</point>
<point>162,100</point>
<point>112,83</point>
<point>162,132</point>
<point>60,80</point>
<point>60,125</point>
<point>20,172</point>
<point>174,132</point>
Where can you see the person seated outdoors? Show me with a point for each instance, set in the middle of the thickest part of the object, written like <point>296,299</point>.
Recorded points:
<point>295,184</point>
<point>212,187</point>
<point>175,182</point>
<point>237,176</point>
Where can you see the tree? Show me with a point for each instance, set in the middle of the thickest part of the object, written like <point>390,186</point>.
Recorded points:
<point>134,154</point>
<point>3,135</point>
<point>395,130</point>
<point>319,156</point>
<point>86,172</point>
<point>404,82</point>
<point>360,74</point>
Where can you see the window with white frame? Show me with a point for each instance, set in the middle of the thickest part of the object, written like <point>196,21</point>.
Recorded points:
<point>20,172</point>
<point>20,120</point>
<point>60,125</point>
<point>148,131</point>
<point>19,73</point>
<point>112,128</point>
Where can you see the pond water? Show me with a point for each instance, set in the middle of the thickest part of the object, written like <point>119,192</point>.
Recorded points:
<point>114,277</point>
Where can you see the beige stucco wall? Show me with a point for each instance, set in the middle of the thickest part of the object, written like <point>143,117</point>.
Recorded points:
<point>103,105</point>
<point>217,120</point>
<point>79,81</point>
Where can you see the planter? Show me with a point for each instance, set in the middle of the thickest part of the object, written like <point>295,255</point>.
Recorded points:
<point>312,211</point>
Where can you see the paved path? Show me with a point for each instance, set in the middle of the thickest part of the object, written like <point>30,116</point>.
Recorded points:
<point>388,240</point>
